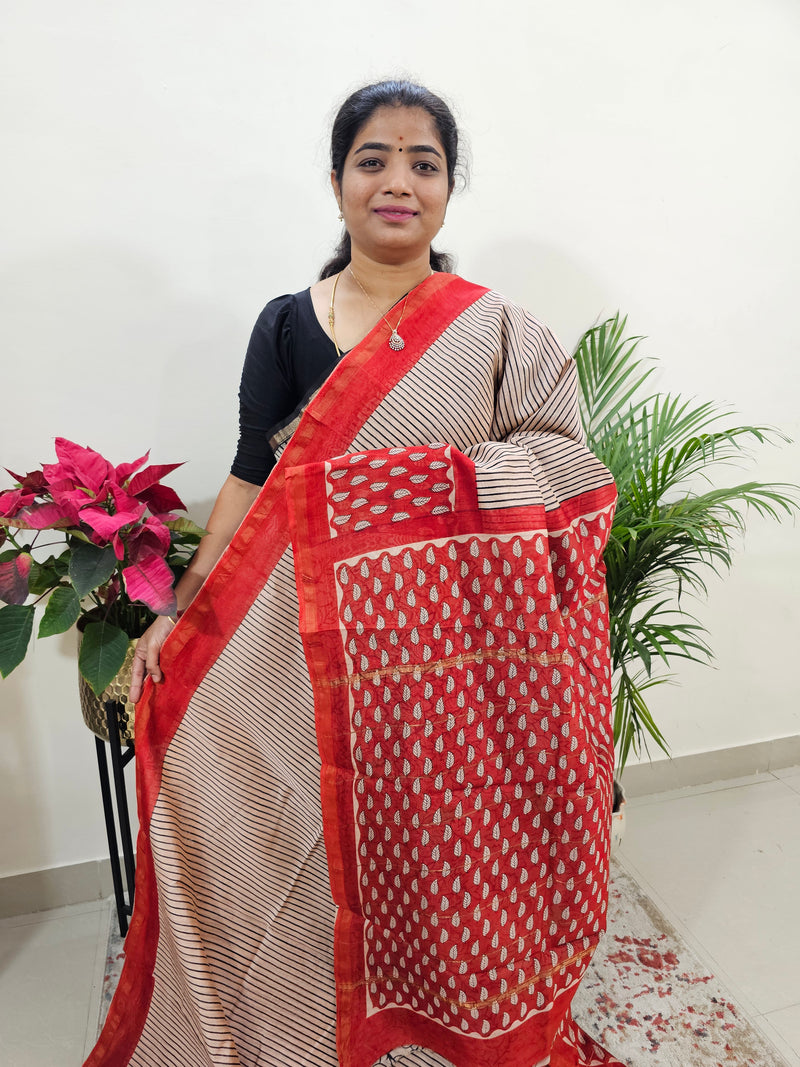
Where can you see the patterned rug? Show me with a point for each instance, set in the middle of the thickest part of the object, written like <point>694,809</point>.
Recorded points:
<point>647,997</point>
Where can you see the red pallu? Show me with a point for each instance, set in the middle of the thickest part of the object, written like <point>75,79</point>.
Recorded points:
<point>458,680</point>
<point>453,619</point>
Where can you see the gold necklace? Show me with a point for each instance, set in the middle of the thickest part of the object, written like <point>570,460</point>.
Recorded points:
<point>396,342</point>
<point>332,317</point>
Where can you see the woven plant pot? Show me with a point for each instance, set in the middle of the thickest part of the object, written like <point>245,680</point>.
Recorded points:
<point>93,706</point>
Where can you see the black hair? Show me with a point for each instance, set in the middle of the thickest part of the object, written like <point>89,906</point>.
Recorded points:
<point>357,109</point>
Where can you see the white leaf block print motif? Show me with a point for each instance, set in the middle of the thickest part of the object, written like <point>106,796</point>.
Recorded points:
<point>373,488</point>
<point>480,838</point>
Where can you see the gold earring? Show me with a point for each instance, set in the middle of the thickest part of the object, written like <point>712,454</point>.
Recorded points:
<point>341,216</point>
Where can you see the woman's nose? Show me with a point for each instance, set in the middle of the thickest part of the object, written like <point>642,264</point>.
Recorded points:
<point>397,179</point>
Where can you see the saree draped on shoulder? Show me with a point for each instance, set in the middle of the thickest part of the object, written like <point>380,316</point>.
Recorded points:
<point>375,784</point>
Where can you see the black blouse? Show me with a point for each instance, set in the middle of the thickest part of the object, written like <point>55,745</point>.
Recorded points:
<point>289,356</point>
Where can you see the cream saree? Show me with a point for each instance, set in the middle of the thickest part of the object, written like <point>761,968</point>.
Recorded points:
<point>375,784</point>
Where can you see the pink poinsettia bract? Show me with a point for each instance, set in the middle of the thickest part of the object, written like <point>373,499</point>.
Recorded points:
<point>124,507</point>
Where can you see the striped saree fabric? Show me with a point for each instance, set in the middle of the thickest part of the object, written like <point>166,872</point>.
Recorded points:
<point>375,784</point>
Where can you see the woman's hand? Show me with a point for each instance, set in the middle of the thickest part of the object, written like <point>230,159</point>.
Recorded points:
<point>147,655</point>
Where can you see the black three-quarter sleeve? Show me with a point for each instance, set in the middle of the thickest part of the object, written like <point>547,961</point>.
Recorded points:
<point>267,393</point>
<point>288,358</point>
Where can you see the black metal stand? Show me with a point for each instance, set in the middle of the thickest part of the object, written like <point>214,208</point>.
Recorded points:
<point>119,761</point>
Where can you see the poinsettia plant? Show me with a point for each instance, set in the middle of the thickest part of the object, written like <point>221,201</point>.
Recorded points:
<point>98,543</point>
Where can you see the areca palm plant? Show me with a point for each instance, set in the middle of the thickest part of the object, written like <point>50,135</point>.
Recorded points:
<point>674,522</point>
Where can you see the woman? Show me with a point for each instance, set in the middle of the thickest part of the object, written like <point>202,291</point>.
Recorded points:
<point>375,779</point>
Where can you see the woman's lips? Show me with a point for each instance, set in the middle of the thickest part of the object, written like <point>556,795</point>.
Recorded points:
<point>395,214</point>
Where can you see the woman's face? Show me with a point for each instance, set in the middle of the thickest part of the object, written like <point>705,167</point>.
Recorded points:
<point>394,188</point>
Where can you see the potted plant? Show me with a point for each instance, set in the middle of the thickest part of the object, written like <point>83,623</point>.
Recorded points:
<point>101,545</point>
<point>674,520</point>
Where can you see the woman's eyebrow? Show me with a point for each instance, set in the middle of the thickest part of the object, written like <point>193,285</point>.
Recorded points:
<point>374,146</point>
<point>378,146</point>
<point>424,148</point>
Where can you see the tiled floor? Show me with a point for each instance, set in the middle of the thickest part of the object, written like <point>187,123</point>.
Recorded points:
<point>51,975</point>
<point>722,862</point>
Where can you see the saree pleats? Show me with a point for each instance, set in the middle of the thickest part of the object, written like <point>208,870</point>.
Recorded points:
<point>374,786</point>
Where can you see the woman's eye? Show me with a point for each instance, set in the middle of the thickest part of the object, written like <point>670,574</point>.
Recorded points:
<point>426,166</point>
<point>370,164</point>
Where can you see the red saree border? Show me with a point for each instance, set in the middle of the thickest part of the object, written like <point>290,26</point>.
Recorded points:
<point>330,423</point>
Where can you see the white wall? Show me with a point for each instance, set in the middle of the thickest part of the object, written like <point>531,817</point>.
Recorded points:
<point>164,174</point>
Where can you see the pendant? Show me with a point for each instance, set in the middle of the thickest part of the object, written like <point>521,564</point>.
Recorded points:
<point>396,342</point>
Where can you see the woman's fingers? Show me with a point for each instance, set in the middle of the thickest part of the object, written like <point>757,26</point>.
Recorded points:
<point>147,656</point>
<point>137,670</point>
<point>153,654</point>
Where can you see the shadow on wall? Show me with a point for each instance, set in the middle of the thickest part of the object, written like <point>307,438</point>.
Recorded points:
<point>21,812</point>
<point>46,760</point>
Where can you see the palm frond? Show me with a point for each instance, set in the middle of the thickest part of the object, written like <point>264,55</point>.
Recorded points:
<point>667,535</point>
<point>633,722</point>
<point>610,374</point>
<point>665,444</point>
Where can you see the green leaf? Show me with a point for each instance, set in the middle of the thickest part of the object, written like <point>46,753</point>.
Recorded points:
<point>102,654</point>
<point>61,564</point>
<point>187,527</point>
<point>16,627</point>
<point>41,579</point>
<point>45,576</point>
<point>90,567</point>
<point>63,609</point>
